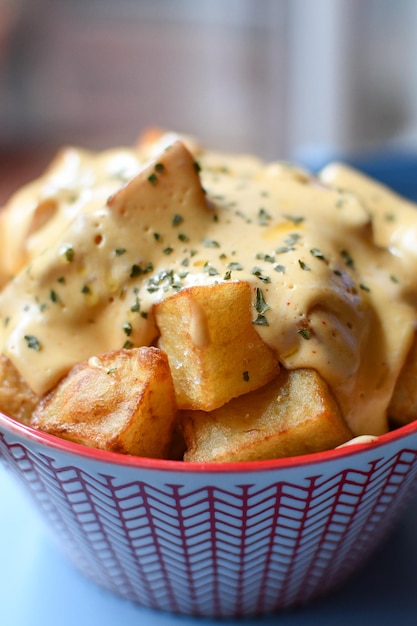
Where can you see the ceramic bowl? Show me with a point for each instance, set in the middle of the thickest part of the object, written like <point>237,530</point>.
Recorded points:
<point>223,540</point>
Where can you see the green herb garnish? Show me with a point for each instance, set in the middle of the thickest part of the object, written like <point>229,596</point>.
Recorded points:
<point>256,271</point>
<point>347,259</point>
<point>318,254</point>
<point>177,219</point>
<point>127,328</point>
<point>33,342</point>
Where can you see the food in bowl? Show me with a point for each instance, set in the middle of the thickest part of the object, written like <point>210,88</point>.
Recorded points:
<point>173,302</point>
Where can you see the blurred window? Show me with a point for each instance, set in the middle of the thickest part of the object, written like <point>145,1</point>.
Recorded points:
<point>273,76</point>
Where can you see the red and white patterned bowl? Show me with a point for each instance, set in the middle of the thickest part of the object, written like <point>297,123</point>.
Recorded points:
<point>221,540</point>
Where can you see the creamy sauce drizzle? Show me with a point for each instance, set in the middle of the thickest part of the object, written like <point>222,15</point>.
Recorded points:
<point>333,286</point>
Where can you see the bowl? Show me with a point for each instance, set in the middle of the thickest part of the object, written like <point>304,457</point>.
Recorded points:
<point>220,540</point>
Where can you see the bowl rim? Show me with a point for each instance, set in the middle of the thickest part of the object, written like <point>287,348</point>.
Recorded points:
<point>114,458</point>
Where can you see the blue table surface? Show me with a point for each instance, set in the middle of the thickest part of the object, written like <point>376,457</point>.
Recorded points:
<point>394,167</point>
<point>38,587</point>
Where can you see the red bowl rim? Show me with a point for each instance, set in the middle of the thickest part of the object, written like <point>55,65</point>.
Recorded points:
<point>51,441</point>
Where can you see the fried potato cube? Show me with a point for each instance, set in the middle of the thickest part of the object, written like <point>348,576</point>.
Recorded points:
<point>403,406</point>
<point>121,401</point>
<point>16,397</point>
<point>214,350</point>
<point>294,414</point>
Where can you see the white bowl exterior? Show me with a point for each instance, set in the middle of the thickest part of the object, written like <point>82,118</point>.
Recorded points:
<point>233,543</point>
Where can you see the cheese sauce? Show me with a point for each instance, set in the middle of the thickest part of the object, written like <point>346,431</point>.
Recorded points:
<point>100,238</point>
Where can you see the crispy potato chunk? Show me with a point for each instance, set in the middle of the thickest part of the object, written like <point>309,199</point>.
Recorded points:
<point>16,397</point>
<point>214,350</point>
<point>121,401</point>
<point>403,406</point>
<point>294,414</point>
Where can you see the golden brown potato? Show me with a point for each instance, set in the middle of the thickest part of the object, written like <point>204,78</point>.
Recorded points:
<point>294,414</point>
<point>403,405</point>
<point>122,401</point>
<point>214,350</point>
<point>16,397</point>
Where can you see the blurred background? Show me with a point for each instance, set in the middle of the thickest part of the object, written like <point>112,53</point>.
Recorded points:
<point>288,79</point>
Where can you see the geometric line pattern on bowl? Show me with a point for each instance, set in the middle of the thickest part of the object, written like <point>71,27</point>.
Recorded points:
<point>233,551</point>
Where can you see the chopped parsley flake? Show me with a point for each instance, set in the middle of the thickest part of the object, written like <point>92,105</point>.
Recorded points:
<point>33,342</point>
<point>245,376</point>
<point>86,289</point>
<point>153,179</point>
<point>292,239</point>
<point>347,259</point>
<point>211,243</point>
<point>159,167</point>
<point>318,254</point>
<point>261,308</point>
<point>234,265</point>
<point>260,305</point>
<point>69,254</point>
<point>261,321</point>
<point>211,271</point>
<point>295,219</point>
<point>135,308</point>
<point>119,251</point>
<point>283,249</point>
<point>305,333</point>
<point>127,328</point>
<point>263,217</point>
<point>127,345</point>
<point>304,266</point>
<point>265,257</point>
<point>138,270</point>
<point>165,279</point>
<point>177,219</point>
<point>256,271</point>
